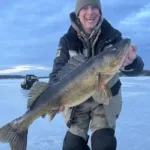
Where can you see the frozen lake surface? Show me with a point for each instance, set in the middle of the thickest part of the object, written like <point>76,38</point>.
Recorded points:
<point>133,125</point>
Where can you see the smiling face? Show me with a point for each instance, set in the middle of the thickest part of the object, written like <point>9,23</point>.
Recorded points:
<point>89,17</point>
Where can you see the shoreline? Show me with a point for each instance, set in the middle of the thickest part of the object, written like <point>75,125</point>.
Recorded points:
<point>145,73</point>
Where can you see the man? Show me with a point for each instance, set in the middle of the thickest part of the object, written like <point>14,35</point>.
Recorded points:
<point>90,34</point>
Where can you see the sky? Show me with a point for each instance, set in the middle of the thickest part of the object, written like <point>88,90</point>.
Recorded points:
<point>30,31</point>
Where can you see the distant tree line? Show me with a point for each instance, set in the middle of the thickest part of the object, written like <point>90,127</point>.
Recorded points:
<point>11,77</point>
<point>17,76</point>
<point>144,73</point>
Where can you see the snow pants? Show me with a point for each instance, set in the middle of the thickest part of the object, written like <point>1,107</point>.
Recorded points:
<point>89,114</point>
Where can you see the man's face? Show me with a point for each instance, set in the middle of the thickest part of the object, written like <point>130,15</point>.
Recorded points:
<point>89,17</point>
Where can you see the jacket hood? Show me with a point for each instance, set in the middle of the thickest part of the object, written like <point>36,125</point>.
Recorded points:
<point>77,26</point>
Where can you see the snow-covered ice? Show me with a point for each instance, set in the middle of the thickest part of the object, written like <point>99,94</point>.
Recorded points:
<point>133,125</point>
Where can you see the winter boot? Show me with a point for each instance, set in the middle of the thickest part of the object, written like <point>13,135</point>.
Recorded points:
<point>74,142</point>
<point>104,139</point>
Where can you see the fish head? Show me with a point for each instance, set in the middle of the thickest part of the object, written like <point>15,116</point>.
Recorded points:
<point>110,61</point>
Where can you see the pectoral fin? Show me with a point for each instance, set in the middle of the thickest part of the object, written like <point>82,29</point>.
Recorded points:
<point>103,87</point>
<point>52,114</point>
<point>107,93</point>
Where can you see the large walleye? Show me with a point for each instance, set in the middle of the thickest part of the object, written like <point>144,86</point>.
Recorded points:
<point>77,81</point>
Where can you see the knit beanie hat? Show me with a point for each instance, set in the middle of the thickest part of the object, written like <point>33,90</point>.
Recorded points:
<point>81,3</point>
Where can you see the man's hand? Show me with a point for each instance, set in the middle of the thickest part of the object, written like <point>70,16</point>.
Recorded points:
<point>130,57</point>
<point>61,109</point>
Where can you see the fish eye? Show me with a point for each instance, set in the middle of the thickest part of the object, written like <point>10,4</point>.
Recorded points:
<point>114,49</point>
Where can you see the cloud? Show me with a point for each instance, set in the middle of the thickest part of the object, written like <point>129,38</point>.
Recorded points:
<point>136,18</point>
<point>137,25</point>
<point>18,69</point>
<point>30,30</point>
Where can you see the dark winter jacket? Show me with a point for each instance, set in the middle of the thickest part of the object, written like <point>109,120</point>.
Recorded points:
<point>108,35</point>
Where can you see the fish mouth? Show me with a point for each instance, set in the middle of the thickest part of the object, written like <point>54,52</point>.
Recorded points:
<point>121,51</point>
<point>124,56</point>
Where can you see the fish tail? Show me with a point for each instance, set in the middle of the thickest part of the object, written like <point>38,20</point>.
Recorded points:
<point>10,133</point>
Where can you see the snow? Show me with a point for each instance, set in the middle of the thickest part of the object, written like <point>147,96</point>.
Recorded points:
<point>132,129</point>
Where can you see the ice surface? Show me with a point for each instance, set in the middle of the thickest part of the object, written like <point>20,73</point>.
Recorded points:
<point>133,125</point>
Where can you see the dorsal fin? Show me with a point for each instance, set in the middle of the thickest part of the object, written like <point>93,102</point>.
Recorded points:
<point>39,87</point>
<point>73,63</point>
